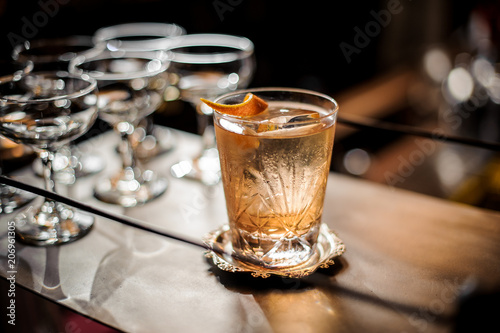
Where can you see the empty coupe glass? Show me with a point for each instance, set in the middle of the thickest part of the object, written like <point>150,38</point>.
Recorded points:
<point>10,197</point>
<point>131,86</point>
<point>51,54</point>
<point>46,111</point>
<point>143,37</point>
<point>207,66</point>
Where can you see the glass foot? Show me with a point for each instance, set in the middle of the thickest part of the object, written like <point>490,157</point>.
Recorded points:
<point>70,167</point>
<point>51,224</point>
<point>12,198</point>
<point>129,191</point>
<point>205,168</point>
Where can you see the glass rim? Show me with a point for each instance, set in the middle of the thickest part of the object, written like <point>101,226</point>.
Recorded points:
<point>112,36</point>
<point>238,119</point>
<point>61,74</point>
<point>99,54</point>
<point>242,48</point>
<point>19,51</point>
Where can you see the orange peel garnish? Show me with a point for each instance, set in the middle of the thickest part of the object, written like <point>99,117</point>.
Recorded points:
<point>252,105</point>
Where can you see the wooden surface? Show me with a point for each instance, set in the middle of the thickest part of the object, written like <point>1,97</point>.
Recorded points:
<point>408,259</point>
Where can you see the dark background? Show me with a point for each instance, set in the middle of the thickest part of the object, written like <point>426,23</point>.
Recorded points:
<point>297,42</point>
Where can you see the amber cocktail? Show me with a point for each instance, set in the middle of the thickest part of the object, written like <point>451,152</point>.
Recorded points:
<point>275,168</point>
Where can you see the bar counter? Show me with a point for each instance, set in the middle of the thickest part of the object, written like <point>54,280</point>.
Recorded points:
<point>409,260</point>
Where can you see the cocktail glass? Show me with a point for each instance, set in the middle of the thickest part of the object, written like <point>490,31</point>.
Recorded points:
<point>207,66</point>
<point>275,168</point>
<point>52,54</point>
<point>10,197</point>
<point>143,37</point>
<point>46,110</point>
<point>131,86</point>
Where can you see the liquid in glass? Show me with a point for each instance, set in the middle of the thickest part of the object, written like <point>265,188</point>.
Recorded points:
<point>274,170</point>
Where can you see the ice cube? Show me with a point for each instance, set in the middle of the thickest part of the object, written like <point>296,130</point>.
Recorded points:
<point>287,117</point>
<point>303,117</point>
<point>279,120</point>
<point>292,116</point>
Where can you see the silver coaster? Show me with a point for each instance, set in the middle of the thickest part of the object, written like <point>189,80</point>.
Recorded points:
<point>328,247</point>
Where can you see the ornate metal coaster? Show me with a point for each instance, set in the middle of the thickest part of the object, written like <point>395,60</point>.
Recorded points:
<point>328,247</point>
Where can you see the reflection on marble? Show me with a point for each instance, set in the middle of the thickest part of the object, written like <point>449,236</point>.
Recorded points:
<point>390,278</point>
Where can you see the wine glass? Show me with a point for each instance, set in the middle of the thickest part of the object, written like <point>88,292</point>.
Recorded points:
<point>52,54</point>
<point>131,86</point>
<point>46,110</point>
<point>208,65</point>
<point>143,36</point>
<point>10,197</point>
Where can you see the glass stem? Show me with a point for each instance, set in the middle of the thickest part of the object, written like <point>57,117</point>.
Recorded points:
<point>126,146</point>
<point>47,157</point>
<point>49,209</point>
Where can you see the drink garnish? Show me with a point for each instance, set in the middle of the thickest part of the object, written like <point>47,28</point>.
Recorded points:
<point>251,106</point>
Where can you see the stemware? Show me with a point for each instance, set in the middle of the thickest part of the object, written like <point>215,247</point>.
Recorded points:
<point>46,110</point>
<point>131,86</point>
<point>143,37</point>
<point>10,197</point>
<point>208,65</point>
<point>50,54</point>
